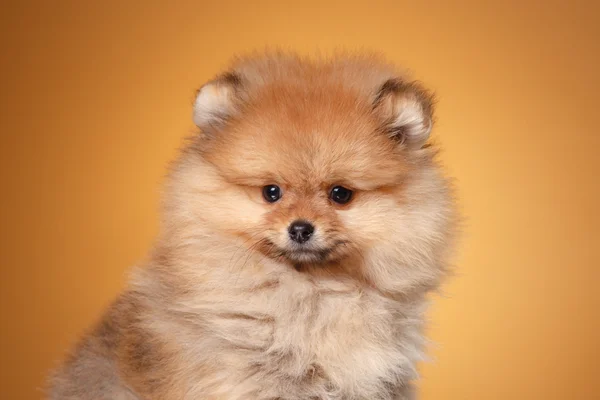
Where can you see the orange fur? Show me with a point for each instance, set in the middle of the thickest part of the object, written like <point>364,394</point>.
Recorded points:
<point>228,307</point>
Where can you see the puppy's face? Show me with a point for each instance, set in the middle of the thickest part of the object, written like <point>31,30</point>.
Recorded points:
<point>307,174</point>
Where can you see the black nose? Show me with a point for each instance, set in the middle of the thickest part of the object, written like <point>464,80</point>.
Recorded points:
<point>301,231</point>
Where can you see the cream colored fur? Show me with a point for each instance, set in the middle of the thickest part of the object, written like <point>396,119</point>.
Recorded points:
<point>212,315</point>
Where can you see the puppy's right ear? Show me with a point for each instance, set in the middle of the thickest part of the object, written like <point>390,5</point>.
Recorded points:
<point>217,101</point>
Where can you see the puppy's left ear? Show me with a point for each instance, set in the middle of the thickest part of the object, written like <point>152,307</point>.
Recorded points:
<point>217,101</point>
<point>406,109</point>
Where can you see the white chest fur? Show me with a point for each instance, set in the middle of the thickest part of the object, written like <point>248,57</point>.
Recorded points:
<point>302,340</point>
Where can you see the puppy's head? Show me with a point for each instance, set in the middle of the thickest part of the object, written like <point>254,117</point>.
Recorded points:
<point>309,163</point>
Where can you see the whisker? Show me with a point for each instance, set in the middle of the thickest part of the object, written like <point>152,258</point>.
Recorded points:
<point>248,254</point>
<point>242,245</point>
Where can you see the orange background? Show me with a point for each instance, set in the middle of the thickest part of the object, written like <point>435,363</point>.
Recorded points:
<point>96,98</point>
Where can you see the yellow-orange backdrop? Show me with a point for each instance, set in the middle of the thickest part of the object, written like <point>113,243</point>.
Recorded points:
<point>95,100</point>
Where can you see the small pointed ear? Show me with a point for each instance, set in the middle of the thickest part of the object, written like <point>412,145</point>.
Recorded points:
<point>217,101</point>
<point>406,109</point>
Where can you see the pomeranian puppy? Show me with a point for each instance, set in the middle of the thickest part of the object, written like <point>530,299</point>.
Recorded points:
<point>303,227</point>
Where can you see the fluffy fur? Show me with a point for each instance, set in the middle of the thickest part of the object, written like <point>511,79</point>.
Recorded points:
<point>227,307</point>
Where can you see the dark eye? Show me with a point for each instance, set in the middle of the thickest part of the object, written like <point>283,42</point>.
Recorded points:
<point>272,193</point>
<point>340,194</point>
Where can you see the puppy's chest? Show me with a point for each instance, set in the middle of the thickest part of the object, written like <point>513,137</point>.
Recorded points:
<point>328,342</point>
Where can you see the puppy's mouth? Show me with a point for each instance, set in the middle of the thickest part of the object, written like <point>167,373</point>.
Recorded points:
<point>303,254</point>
